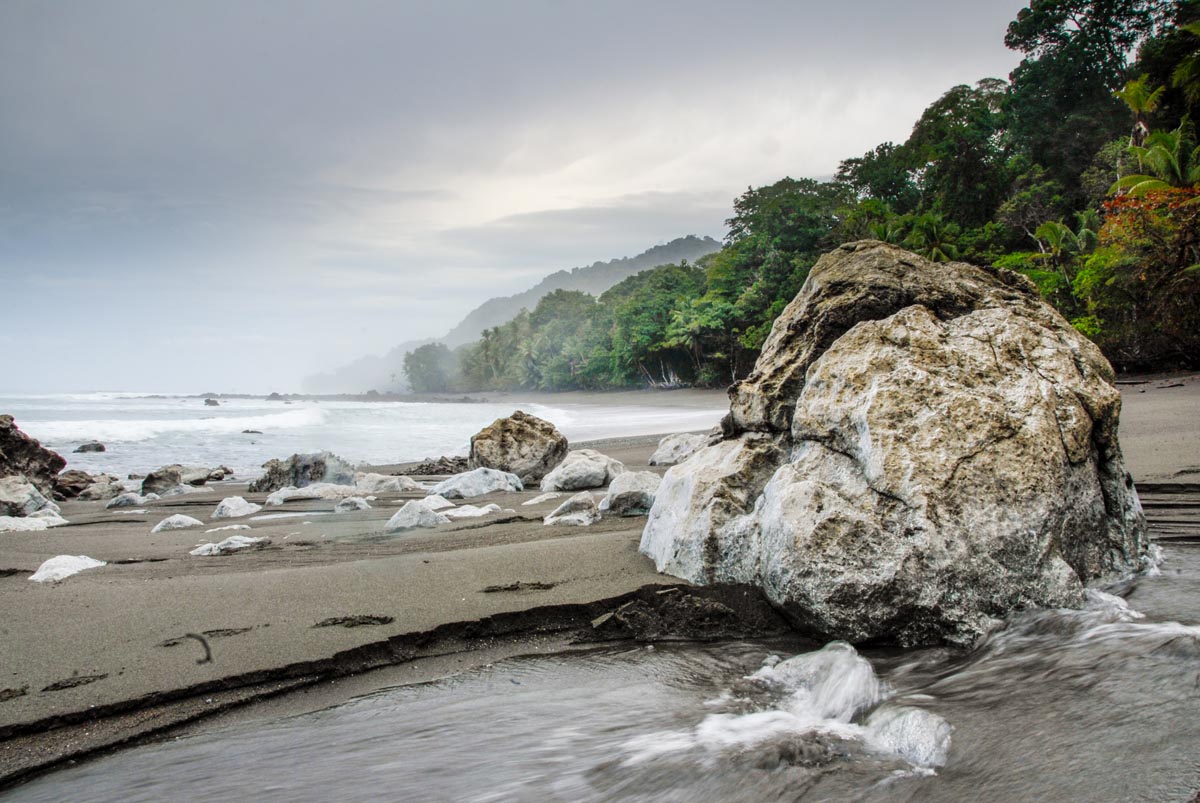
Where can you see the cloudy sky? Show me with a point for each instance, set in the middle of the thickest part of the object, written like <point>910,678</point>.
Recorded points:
<point>230,194</point>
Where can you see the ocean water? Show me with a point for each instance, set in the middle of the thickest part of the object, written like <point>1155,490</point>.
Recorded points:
<point>1099,704</point>
<point>143,431</point>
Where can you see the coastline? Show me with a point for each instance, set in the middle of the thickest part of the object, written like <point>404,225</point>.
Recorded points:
<point>99,669</point>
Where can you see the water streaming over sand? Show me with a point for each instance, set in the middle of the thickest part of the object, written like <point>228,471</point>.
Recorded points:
<point>143,432</point>
<point>1094,705</point>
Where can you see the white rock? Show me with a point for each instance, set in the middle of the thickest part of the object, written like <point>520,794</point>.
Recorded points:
<point>180,490</point>
<point>350,504</point>
<point>579,511</point>
<point>677,448</point>
<point>62,567</point>
<point>581,469</point>
<point>368,483</point>
<point>319,490</point>
<point>177,522</point>
<point>131,499</point>
<point>481,481</point>
<point>228,527</point>
<point>29,524</point>
<point>414,514</point>
<point>547,497</point>
<point>471,512</point>
<point>234,543</point>
<point>19,497</point>
<point>233,507</point>
<point>436,502</point>
<point>631,494</point>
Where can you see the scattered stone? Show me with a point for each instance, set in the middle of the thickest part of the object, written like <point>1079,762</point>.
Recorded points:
<point>176,522</point>
<point>471,511</point>
<point>350,504</point>
<point>63,566</point>
<point>90,446</point>
<point>414,514</point>
<point>321,490</point>
<point>546,497</point>
<point>520,585</point>
<point>36,522</point>
<point>675,449</point>
<point>521,444</point>
<point>481,481</point>
<point>251,432</point>
<point>442,466</point>
<point>920,450</point>
<point>228,527</point>
<point>25,456</point>
<point>436,502</point>
<point>234,543</point>
<point>104,486</point>
<point>20,497</point>
<point>211,403</point>
<point>300,470</point>
<point>233,507</point>
<point>578,511</point>
<point>130,499</point>
<point>164,479</point>
<point>368,483</point>
<point>582,469</point>
<point>631,494</point>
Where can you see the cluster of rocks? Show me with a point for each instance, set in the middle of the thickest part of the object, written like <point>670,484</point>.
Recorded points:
<point>437,467</point>
<point>176,479</point>
<point>300,470</point>
<point>921,450</point>
<point>28,481</point>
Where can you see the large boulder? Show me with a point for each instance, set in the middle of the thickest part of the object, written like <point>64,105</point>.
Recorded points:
<point>303,469</point>
<point>521,444</point>
<point>582,469</point>
<point>23,455</point>
<point>921,450</point>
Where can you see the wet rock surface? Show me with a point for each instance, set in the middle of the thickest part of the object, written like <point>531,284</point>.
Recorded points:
<point>920,450</point>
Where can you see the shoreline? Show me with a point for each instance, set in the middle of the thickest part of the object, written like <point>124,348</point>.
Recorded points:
<point>460,596</point>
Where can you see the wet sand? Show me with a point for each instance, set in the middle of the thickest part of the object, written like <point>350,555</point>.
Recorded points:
<point>159,638</point>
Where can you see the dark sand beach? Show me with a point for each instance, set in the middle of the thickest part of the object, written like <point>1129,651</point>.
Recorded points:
<point>335,607</point>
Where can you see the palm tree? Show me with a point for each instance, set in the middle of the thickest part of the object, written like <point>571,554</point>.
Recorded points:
<point>1168,160</point>
<point>1142,99</point>
<point>933,238</point>
<point>1187,73</point>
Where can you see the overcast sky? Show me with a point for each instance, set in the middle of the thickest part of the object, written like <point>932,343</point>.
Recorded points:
<point>206,195</point>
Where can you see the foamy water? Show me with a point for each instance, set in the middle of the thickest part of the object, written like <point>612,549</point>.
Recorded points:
<point>143,432</point>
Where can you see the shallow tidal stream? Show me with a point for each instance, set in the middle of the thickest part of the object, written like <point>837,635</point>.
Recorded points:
<point>1094,705</point>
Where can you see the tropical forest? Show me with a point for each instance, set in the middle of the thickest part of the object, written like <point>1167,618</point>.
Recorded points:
<point>1080,171</point>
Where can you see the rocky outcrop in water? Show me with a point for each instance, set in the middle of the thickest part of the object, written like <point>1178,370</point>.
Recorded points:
<point>303,469</point>
<point>90,446</point>
<point>920,450</point>
<point>23,455</point>
<point>521,444</point>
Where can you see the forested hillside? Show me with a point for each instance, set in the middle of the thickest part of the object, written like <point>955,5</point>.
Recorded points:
<point>1080,171</point>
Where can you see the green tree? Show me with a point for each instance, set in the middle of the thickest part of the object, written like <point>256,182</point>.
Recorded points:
<point>430,368</point>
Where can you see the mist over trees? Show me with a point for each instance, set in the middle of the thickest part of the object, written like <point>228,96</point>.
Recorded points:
<point>1081,171</point>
